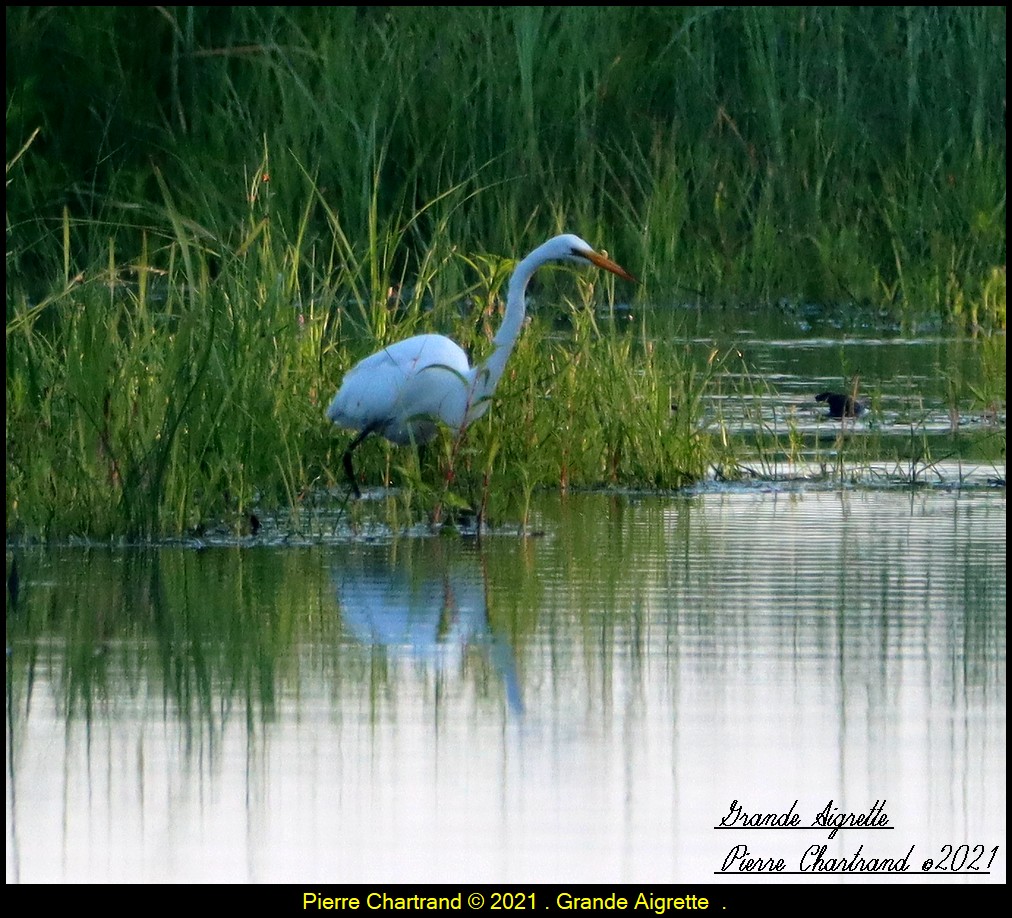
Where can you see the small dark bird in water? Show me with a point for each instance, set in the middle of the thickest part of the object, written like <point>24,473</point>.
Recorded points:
<point>842,405</point>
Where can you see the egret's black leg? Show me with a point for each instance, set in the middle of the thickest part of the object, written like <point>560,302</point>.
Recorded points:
<point>349,469</point>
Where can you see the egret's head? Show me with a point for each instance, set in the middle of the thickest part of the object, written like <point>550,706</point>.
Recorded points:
<point>569,247</point>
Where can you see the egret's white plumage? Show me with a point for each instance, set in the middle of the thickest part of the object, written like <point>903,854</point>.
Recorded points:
<point>404,390</point>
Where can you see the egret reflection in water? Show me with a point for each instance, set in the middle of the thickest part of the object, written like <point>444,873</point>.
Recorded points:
<point>423,600</point>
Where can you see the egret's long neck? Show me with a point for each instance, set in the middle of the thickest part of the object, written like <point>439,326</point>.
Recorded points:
<point>490,372</point>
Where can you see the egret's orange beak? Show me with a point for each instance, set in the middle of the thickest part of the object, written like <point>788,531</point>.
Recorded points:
<point>602,261</point>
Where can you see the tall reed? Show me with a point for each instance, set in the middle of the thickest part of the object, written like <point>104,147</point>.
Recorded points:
<point>207,227</point>
<point>835,154</point>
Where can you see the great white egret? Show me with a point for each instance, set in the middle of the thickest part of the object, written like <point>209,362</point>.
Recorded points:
<point>403,390</point>
<point>841,405</point>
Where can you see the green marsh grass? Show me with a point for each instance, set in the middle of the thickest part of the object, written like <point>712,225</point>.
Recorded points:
<point>195,394</point>
<point>207,228</point>
<point>834,154</point>
<point>146,401</point>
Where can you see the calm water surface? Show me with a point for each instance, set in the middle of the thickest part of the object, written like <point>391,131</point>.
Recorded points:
<point>585,704</point>
<point>581,705</point>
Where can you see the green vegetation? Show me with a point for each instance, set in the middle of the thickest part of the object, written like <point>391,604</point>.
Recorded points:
<point>213,212</point>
